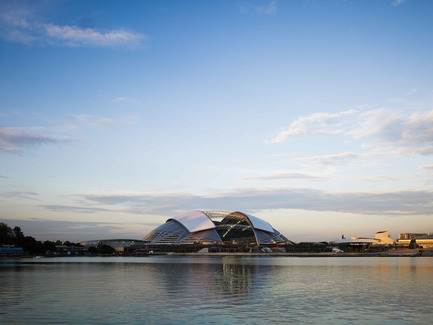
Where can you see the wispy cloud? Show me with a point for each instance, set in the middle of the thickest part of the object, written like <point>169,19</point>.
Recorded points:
<point>377,178</point>
<point>427,167</point>
<point>78,209</point>
<point>44,229</point>
<point>404,202</point>
<point>398,2</point>
<point>317,123</point>
<point>286,176</point>
<point>22,195</point>
<point>333,159</point>
<point>269,9</point>
<point>412,91</point>
<point>20,26</point>
<point>381,127</point>
<point>14,139</point>
<point>74,36</point>
<point>105,122</point>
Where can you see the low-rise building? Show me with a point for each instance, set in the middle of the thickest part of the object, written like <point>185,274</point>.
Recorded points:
<point>418,239</point>
<point>384,238</point>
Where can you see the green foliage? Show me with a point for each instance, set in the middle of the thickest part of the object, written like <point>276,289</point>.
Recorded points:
<point>6,235</point>
<point>105,250</point>
<point>15,237</point>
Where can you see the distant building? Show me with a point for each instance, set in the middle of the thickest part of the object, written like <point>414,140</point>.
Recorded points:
<point>418,239</point>
<point>215,227</point>
<point>381,238</point>
<point>384,238</point>
<point>64,250</point>
<point>410,235</point>
<point>11,251</point>
<point>119,245</point>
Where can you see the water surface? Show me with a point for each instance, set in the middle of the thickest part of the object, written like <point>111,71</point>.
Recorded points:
<point>217,290</point>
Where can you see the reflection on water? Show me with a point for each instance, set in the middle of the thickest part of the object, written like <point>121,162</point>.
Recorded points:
<point>218,290</point>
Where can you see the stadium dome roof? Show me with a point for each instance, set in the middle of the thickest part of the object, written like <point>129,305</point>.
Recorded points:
<point>215,227</point>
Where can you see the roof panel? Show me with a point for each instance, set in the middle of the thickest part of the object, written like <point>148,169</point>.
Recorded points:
<point>259,223</point>
<point>195,221</point>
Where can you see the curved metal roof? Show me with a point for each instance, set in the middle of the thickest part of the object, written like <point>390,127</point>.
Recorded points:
<point>259,223</point>
<point>194,221</point>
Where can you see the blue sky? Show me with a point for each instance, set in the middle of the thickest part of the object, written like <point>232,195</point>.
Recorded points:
<point>316,116</point>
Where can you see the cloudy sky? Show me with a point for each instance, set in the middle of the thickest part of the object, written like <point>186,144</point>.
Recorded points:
<point>316,116</point>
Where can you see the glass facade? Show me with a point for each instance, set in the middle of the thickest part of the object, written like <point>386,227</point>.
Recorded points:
<point>234,227</point>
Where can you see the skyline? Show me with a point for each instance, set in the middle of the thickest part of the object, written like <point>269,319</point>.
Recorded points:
<point>314,116</point>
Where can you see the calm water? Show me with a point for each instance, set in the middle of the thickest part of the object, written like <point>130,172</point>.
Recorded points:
<point>217,290</point>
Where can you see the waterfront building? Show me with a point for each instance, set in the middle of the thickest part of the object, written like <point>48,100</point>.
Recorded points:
<point>119,245</point>
<point>381,238</point>
<point>418,239</point>
<point>384,238</point>
<point>213,227</point>
<point>11,251</point>
<point>71,250</point>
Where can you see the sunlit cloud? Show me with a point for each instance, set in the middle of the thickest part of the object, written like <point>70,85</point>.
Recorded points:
<point>427,167</point>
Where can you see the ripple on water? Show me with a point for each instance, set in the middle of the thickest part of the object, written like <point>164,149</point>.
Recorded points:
<point>171,290</point>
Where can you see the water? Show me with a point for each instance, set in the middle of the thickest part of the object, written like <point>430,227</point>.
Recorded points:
<point>217,290</point>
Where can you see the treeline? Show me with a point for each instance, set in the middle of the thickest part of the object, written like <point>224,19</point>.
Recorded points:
<point>15,237</point>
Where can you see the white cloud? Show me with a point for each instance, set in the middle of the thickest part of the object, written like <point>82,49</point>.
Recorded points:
<point>333,159</point>
<point>376,122</point>
<point>286,176</point>
<point>377,178</point>
<point>74,36</point>
<point>316,123</point>
<point>381,128</point>
<point>19,26</point>
<point>427,167</point>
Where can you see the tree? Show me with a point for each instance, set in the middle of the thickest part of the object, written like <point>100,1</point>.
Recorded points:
<point>18,236</point>
<point>49,246</point>
<point>105,250</point>
<point>6,234</point>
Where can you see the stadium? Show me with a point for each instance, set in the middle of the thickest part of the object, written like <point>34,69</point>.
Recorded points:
<point>215,227</point>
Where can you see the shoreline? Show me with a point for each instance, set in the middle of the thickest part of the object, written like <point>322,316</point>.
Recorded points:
<point>402,253</point>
